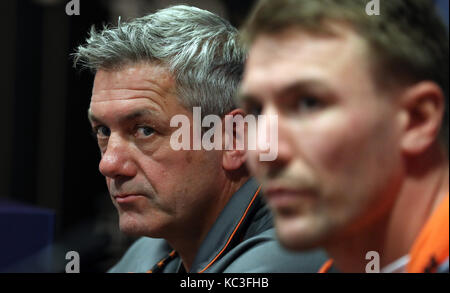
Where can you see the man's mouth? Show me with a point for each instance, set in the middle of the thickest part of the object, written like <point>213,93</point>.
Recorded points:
<point>127,198</point>
<point>281,197</point>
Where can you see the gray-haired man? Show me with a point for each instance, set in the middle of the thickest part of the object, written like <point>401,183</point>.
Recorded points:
<point>203,204</point>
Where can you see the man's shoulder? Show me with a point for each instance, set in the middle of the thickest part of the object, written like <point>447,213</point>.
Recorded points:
<point>142,255</point>
<point>430,249</point>
<point>263,254</point>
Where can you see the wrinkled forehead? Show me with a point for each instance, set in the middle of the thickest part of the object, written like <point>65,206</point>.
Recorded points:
<point>131,80</point>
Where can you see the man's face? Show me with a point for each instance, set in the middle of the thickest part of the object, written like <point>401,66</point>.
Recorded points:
<point>338,150</point>
<point>156,190</point>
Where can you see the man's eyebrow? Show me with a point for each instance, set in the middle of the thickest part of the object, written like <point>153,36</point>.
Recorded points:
<point>126,118</point>
<point>241,98</point>
<point>295,86</point>
<point>136,114</point>
<point>304,85</point>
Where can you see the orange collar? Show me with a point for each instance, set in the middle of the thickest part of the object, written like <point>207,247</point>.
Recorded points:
<point>326,267</point>
<point>430,249</point>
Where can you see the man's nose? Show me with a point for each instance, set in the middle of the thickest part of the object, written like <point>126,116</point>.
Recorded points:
<point>274,122</point>
<point>116,160</point>
<point>284,142</point>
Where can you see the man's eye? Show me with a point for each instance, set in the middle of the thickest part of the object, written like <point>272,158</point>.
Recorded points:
<point>255,111</point>
<point>308,104</point>
<point>102,131</point>
<point>253,108</point>
<point>145,131</point>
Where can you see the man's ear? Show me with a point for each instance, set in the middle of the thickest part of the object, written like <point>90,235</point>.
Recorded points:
<point>236,156</point>
<point>423,105</point>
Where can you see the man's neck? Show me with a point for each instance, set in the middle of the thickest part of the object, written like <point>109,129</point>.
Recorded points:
<point>187,240</point>
<point>425,185</point>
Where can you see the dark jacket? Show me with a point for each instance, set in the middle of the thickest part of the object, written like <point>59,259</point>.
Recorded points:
<point>242,240</point>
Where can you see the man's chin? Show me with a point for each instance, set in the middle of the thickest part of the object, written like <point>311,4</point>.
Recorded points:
<point>138,226</point>
<point>299,234</point>
<point>131,225</point>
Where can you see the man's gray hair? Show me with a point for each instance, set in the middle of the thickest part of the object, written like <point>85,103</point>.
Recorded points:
<point>199,48</point>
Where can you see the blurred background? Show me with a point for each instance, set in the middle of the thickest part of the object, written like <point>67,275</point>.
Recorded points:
<point>52,197</point>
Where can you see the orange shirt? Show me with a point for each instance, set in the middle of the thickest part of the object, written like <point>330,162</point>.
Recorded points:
<point>430,249</point>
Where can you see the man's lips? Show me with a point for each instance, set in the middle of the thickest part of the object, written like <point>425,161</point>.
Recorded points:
<point>282,197</point>
<point>127,198</point>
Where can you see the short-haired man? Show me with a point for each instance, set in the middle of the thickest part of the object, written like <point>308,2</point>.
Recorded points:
<point>203,204</point>
<point>362,166</point>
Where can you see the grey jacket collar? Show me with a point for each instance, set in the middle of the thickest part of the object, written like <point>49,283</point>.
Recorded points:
<point>245,214</point>
<point>230,227</point>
